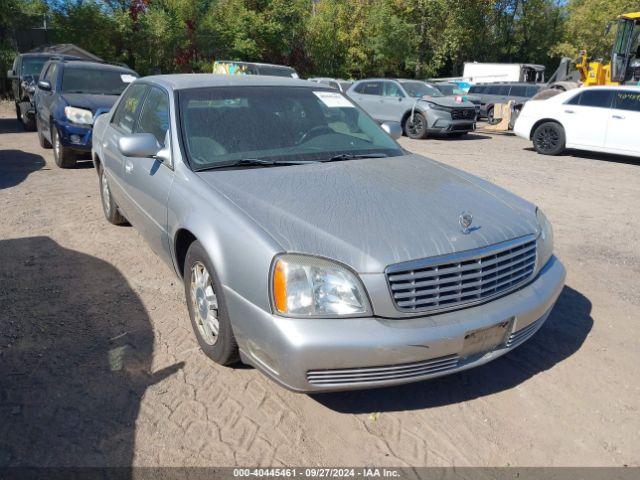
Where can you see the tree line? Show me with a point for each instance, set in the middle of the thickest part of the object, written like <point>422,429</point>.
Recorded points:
<point>340,38</point>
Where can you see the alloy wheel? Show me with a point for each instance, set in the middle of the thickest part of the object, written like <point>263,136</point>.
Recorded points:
<point>205,303</point>
<point>106,193</point>
<point>415,126</point>
<point>547,139</point>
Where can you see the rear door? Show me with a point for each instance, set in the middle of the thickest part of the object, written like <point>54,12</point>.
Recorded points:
<point>369,96</point>
<point>624,119</point>
<point>148,180</point>
<point>585,117</point>
<point>122,122</point>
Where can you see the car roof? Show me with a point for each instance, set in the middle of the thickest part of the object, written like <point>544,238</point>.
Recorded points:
<point>183,81</point>
<point>94,65</point>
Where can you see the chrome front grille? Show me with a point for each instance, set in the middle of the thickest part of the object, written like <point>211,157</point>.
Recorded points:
<point>351,376</point>
<point>451,281</point>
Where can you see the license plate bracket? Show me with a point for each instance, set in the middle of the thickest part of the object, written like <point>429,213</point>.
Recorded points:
<point>484,340</point>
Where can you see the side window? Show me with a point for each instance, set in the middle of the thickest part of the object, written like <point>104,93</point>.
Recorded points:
<point>392,90</point>
<point>154,117</point>
<point>575,100</point>
<point>627,100</point>
<point>372,88</point>
<point>474,89</point>
<point>531,91</point>
<point>597,98</point>
<point>125,115</point>
<point>518,91</point>
<point>504,90</point>
<point>493,90</point>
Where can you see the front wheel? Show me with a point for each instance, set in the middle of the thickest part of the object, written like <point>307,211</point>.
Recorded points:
<point>64,157</point>
<point>415,127</point>
<point>549,138</point>
<point>207,307</point>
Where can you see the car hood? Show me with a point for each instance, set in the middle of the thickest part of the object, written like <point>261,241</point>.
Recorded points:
<point>448,101</point>
<point>372,213</point>
<point>90,102</point>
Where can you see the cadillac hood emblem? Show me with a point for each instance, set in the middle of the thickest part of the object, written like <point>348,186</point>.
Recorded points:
<point>465,219</point>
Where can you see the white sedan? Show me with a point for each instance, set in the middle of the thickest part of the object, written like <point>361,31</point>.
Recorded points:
<point>599,119</point>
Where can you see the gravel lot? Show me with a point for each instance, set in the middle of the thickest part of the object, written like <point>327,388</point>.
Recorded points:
<point>98,364</point>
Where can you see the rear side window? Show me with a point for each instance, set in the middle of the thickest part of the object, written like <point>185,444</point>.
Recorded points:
<point>593,98</point>
<point>125,116</point>
<point>370,88</point>
<point>493,90</point>
<point>519,91</point>
<point>627,100</point>
<point>532,90</point>
<point>154,117</point>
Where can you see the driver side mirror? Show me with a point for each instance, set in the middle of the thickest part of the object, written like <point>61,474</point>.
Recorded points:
<point>142,145</point>
<point>393,129</point>
<point>11,74</point>
<point>44,85</point>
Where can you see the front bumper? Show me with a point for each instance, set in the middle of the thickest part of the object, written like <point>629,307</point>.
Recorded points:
<point>313,355</point>
<point>76,137</point>
<point>443,125</point>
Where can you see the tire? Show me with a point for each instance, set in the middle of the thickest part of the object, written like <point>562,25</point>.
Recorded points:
<point>29,124</point>
<point>42,140</point>
<point>18,114</point>
<point>416,129</point>
<point>64,157</point>
<point>109,205</point>
<point>490,118</point>
<point>205,297</point>
<point>549,138</point>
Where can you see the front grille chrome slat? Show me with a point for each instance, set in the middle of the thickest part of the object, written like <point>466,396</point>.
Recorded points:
<point>451,281</point>
<point>350,376</point>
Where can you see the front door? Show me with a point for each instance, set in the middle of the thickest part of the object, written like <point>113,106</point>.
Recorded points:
<point>394,103</point>
<point>585,117</point>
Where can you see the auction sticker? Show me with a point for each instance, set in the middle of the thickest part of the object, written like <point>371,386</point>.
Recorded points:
<point>333,99</point>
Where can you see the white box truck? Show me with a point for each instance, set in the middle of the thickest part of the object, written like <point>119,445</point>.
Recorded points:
<point>475,72</point>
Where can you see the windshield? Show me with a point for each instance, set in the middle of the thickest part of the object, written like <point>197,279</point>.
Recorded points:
<point>32,66</point>
<point>450,90</point>
<point>96,81</point>
<point>222,124</point>
<point>420,89</point>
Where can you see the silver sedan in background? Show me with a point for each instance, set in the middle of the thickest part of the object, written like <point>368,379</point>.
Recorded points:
<point>310,244</point>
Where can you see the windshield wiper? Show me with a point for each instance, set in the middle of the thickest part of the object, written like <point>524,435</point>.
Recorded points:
<point>354,156</point>
<point>251,162</point>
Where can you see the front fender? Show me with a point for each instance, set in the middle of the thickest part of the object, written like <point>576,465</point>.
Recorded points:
<point>240,250</point>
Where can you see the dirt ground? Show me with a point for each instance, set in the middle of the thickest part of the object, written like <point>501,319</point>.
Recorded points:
<point>98,364</point>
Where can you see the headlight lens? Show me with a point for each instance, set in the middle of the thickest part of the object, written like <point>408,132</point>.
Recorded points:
<point>79,115</point>
<point>305,286</point>
<point>545,239</point>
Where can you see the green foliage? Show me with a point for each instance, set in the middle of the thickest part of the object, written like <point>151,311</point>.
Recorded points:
<point>586,23</point>
<point>342,38</point>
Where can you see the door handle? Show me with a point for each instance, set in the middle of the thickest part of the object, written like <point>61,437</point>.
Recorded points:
<point>618,117</point>
<point>128,166</point>
<point>569,111</point>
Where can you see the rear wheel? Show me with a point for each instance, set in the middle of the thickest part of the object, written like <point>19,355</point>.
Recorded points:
<point>64,157</point>
<point>490,116</point>
<point>415,127</point>
<point>109,205</point>
<point>44,143</point>
<point>207,307</point>
<point>549,138</point>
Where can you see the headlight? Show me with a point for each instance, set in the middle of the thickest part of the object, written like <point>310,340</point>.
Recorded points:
<point>545,239</point>
<point>305,286</point>
<point>79,115</point>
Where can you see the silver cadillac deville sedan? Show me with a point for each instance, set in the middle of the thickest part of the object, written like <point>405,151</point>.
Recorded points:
<point>311,245</point>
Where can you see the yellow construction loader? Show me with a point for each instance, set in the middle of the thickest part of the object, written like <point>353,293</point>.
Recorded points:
<point>622,69</point>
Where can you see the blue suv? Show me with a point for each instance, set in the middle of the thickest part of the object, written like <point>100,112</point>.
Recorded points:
<point>69,95</point>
